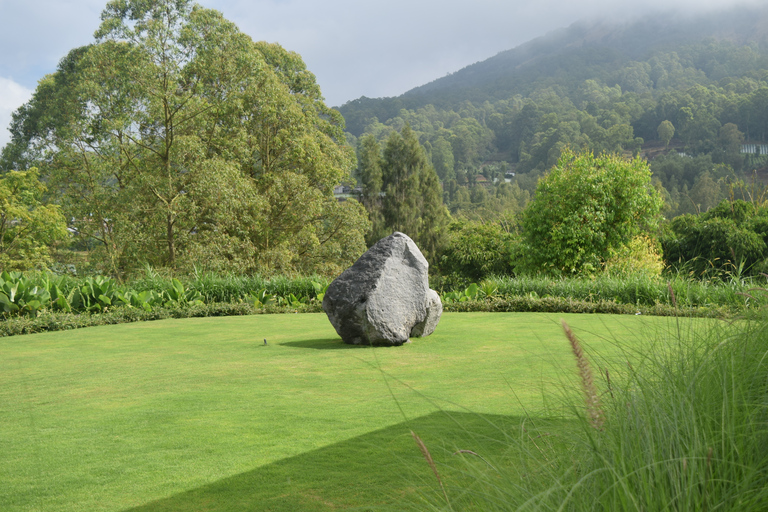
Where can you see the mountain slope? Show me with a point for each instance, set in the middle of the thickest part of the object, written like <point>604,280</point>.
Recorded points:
<point>567,57</point>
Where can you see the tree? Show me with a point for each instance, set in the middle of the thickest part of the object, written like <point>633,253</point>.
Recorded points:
<point>666,131</point>
<point>369,164</point>
<point>585,209</point>
<point>442,159</point>
<point>730,140</point>
<point>28,226</point>
<point>413,198</point>
<point>182,142</point>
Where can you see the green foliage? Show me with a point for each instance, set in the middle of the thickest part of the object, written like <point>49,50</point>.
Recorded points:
<point>691,185</point>
<point>666,131</point>
<point>176,293</point>
<point>320,290</point>
<point>93,294</point>
<point>49,321</point>
<point>30,295</point>
<point>29,226</point>
<point>19,296</point>
<point>100,293</point>
<point>44,302</point>
<point>410,198</point>
<point>638,289</point>
<point>261,298</point>
<point>475,250</point>
<point>730,238</point>
<point>642,255</point>
<point>472,292</point>
<point>146,300</point>
<point>585,210</point>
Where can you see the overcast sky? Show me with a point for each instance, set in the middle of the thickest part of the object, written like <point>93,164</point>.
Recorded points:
<point>355,47</point>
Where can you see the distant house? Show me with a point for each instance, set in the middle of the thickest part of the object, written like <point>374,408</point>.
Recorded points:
<point>754,149</point>
<point>344,192</point>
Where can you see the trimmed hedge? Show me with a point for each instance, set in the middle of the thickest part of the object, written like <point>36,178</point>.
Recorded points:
<point>58,321</point>
<point>566,305</point>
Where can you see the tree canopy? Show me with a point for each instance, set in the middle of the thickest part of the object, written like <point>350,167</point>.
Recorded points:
<point>402,191</point>
<point>177,140</point>
<point>28,225</point>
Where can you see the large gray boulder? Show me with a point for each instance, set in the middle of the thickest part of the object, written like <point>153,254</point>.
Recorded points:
<point>384,298</point>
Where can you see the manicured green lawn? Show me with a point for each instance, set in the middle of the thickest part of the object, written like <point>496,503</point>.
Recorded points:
<point>198,414</point>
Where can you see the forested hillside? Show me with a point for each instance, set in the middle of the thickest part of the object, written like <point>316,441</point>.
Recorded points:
<point>662,87</point>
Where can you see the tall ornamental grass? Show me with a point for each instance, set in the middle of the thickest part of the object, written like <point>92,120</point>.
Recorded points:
<point>682,427</point>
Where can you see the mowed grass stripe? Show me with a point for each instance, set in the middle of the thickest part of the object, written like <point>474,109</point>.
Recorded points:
<point>107,418</point>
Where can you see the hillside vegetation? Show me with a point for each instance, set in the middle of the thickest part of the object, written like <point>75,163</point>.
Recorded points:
<point>659,86</point>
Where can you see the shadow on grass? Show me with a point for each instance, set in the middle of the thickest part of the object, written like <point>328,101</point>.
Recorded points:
<point>381,470</point>
<point>324,344</point>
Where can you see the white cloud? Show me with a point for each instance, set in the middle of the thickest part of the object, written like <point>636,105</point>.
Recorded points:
<point>12,96</point>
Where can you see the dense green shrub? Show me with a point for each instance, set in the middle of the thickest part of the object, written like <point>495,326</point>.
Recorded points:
<point>532,304</point>
<point>232,288</point>
<point>587,208</point>
<point>60,321</point>
<point>730,238</point>
<point>20,296</point>
<point>639,289</point>
<point>475,250</point>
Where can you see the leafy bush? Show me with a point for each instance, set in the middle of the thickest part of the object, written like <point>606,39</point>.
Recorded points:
<point>638,289</point>
<point>641,256</point>
<point>93,294</point>
<point>732,237</point>
<point>20,296</point>
<point>177,294</point>
<point>57,321</point>
<point>476,250</point>
<point>586,209</point>
<point>56,300</point>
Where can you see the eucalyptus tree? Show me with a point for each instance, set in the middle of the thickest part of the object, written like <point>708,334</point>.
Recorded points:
<point>369,164</point>
<point>413,198</point>
<point>176,139</point>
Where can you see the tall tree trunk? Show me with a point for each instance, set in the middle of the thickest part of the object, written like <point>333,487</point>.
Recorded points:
<point>171,246</point>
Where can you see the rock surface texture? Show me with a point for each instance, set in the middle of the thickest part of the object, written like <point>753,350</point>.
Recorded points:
<point>384,298</point>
